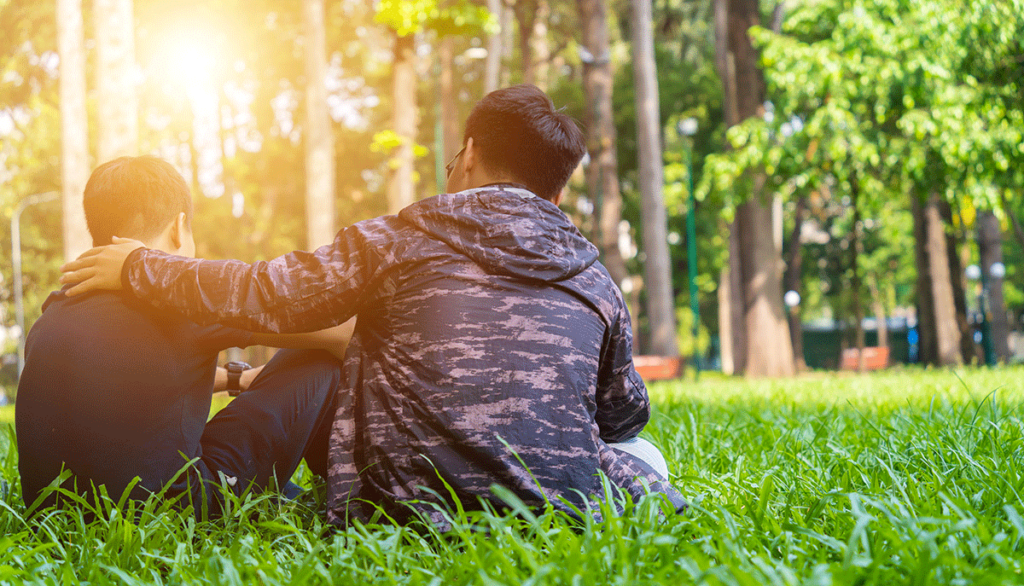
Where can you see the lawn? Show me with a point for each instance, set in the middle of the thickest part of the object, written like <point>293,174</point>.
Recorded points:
<point>898,478</point>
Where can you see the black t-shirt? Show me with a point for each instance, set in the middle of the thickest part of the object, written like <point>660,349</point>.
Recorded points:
<point>113,389</point>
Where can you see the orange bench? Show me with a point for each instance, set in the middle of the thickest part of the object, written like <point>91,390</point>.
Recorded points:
<point>875,358</point>
<point>657,367</point>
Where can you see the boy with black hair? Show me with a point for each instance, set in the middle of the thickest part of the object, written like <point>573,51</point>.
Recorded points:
<point>114,389</point>
<point>491,346</point>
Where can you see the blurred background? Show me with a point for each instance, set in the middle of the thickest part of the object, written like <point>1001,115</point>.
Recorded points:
<point>776,186</point>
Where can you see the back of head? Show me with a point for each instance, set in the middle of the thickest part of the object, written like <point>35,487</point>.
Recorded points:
<point>134,197</point>
<point>520,135</point>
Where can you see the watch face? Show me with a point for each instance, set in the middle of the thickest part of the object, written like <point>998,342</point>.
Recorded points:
<point>237,366</point>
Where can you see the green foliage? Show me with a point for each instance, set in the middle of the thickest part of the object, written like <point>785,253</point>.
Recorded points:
<point>906,94</point>
<point>885,100</point>
<point>387,141</point>
<point>447,18</point>
<point>902,477</point>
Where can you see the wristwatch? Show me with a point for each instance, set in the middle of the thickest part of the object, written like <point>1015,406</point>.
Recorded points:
<point>235,370</point>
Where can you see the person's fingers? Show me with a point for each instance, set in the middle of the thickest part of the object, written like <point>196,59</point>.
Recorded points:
<point>77,265</point>
<point>83,282</point>
<point>92,252</point>
<point>119,240</point>
<point>77,276</point>
<point>80,288</point>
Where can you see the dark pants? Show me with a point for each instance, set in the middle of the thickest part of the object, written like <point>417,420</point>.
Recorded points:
<point>257,441</point>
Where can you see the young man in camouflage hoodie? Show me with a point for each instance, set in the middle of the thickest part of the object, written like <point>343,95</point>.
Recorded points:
<point>491,347</point>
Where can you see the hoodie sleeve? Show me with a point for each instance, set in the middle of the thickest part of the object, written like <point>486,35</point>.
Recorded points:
<point>623,407</point>
<point>297,292</point>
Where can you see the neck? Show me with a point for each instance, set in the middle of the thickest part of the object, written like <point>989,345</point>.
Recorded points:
<point>507,184</point>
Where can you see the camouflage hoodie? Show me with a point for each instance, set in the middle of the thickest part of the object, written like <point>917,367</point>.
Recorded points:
<point>490,348</point>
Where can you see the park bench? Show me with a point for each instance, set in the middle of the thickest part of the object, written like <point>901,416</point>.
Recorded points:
<point>875,358</point>
<point>653,368</point>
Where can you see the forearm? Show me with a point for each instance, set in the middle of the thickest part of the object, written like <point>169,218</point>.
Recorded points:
<point>335,340</point>
<point>220,380</point>
<point>298,292</point>
<point>623,407</point>
<point>625,411</point>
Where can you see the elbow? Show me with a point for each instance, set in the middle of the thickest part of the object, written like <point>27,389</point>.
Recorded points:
<point>627,427</point>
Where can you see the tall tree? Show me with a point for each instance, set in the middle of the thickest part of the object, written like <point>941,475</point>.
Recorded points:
<point>856,277</point>
<point>532,24</point>
<point>319,135</point>
<point>406,20</point>
<point>657,266</point>
<point>539,42</point>
<point>505,20</point>
<point>937,322</point>
<point>990,252</point>
<point>602,172</point>
<point>117,113</point>
<point>404,121</point>
<point>759,342</point>
<point>492,67</point>
<point>74,144</point>
<point>792,281</point>
<point>448,106</point>
<point>526,15</point>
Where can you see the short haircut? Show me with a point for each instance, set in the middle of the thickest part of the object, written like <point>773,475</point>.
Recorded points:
<point>520,134</point>
<point>134,197</point>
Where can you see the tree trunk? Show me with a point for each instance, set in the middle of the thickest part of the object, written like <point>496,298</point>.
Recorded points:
<point>401,190</point>
<point>507,41</point>
<point>319,136</point>
<point>539,43</point>
<point>657,270</point>
<point>769,351</point>
<point>731,311</point>
<point>732,333</point>
<point>939,333</point>
<point>878,308</point>
<point>855,280</point>
<point>492,66</point>
<point>449,109</point>
<point>74,143</point>
<point>117,110</point>
<point>928,341</point>
<point>990,249</point>
<point>193,152</point>
<point>968,348</point>
<point>792,282</point>
<point>602,173</point>
<point>526,13</point>
<point>725,63</point>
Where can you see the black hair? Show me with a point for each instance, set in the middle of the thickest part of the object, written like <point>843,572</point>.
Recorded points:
<point>134,197</point>
<point>520,134</point>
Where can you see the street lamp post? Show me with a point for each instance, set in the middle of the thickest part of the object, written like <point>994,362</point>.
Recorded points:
<point>688,128</point>
<point>996,271</point>
<point>19,307</point>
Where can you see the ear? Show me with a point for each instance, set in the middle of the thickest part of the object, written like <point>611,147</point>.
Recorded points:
<point>178,230</point>
<point>469,157</point>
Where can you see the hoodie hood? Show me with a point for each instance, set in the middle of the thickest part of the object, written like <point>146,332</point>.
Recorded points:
<point>507,231</point>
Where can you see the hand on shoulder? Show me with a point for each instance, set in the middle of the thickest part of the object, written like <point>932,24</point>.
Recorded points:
<point>98,268</point>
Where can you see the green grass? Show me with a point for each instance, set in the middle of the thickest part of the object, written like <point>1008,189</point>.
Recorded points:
<point>899,478</point>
